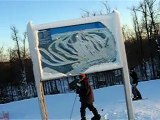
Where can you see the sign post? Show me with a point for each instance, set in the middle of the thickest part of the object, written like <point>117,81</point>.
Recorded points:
<point>33,44</point>
<point>125,71</point>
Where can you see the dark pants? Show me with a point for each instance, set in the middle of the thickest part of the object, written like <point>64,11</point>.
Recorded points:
<point>90,107</point>
<point>135,92</point>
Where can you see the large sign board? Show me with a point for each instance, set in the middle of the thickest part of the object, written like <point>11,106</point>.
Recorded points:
<point>82,48</point>
<point>86,45</point>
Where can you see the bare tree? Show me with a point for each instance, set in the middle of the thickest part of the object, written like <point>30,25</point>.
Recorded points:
<point>138,32</point>
<point>153,14</point>
<point>2,54</point>
<point>128,34</point>
<point>147,29</point>
<point>24,44</point>
<point>87,13</point>
<point>107,7</point>
<point>17,39</point>
<point>147,7</point>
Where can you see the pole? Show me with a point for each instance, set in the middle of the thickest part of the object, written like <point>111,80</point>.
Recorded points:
<point>73,107</point>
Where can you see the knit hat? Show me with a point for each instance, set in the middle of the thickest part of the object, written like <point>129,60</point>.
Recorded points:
<point>82,75</point>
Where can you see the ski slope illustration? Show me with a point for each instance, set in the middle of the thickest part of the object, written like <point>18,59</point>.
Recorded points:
<point>76,51</point>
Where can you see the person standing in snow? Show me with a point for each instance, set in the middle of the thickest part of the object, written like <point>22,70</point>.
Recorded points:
<point>86,97</point>
<point>134,83</point>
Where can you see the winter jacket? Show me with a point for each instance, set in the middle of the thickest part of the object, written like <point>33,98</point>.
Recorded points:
<point>85,92</point>
<point>133,74</point>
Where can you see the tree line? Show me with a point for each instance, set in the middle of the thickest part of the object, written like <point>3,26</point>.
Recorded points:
<point>145,38</point>
<point>142,48</point>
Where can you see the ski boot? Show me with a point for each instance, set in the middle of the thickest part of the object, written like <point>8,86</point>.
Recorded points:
<point>83,118</point>
<point>97,117</point>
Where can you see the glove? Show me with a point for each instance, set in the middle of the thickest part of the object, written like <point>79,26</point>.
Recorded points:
<point>78,85</point>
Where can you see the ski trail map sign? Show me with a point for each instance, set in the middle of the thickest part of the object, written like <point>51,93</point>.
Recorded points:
<point>71,50</point>
<point>84,45</point>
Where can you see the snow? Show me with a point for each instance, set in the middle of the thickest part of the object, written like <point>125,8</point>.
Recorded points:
<point>108,100</point>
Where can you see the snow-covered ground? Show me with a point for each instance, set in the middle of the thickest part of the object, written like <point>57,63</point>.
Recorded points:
<point>108,100</point>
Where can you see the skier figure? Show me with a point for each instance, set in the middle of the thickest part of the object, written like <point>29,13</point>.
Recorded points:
<point>134,83</point>
<point>86,98</point>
